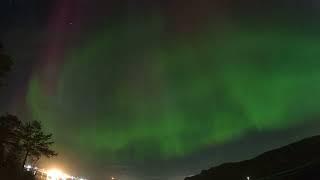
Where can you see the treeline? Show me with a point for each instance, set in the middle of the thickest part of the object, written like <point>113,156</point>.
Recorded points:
<point>20,141</point>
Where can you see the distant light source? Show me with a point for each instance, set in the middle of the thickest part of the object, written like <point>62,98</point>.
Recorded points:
<point>248,178</point>
<point>56,174</point>
<point>113,178</point>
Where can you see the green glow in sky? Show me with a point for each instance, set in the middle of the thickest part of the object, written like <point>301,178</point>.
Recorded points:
<point>134,94</point>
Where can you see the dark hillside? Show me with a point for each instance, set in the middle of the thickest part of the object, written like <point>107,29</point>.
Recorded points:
<point>298,160</point>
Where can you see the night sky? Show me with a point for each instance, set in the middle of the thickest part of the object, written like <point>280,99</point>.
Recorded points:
<point>159,90</point>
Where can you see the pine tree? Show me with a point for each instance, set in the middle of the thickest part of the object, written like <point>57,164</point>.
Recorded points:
<point>34,142</point>
<point>9,135</point>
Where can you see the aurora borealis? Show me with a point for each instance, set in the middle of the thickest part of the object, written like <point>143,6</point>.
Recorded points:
<point>139,91</point>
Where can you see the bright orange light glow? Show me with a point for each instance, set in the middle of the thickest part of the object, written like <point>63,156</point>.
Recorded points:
<point>56,174</point>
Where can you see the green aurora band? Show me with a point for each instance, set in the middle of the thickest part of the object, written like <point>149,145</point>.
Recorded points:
<point>134,94</point>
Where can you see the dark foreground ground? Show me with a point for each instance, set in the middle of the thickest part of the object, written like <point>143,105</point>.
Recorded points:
<point>296,161</point>
<point>6,174</point>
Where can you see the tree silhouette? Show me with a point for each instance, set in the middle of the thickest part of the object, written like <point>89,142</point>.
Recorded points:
<point>14,137</point>
<point>9,135</point>
<point>35,142</point>
<point>5,64</point>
